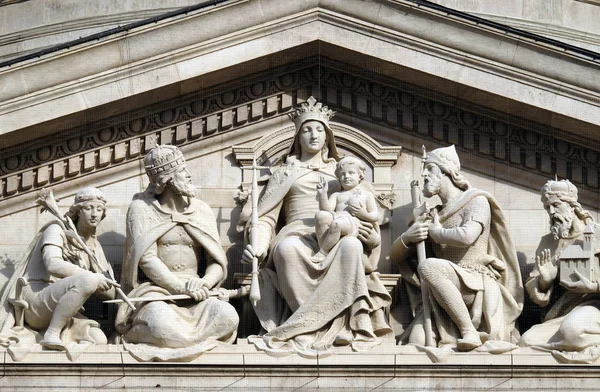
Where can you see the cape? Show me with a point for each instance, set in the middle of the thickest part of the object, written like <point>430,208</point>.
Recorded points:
<point>146,223</point>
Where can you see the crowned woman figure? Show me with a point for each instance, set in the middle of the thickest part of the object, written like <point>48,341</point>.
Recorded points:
<point>309,307</point>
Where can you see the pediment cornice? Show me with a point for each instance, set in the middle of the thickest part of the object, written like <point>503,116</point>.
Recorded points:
<point>505,147</point>
<point>561,90</point>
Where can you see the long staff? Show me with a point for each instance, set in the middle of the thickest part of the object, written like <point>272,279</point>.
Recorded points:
<point>254,288</point>
<point>418,209</point>
<point>48,202</point>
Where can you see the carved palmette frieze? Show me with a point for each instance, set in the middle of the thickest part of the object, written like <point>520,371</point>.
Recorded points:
<point>349,91</point>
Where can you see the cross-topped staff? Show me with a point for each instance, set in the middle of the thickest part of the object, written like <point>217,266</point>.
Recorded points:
<point>254,288</point>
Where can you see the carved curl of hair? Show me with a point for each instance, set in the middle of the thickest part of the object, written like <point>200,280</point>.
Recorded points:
<point>457,178</point>
<point>362,168</point>
<point>582,214</point>
<point>73,212</point>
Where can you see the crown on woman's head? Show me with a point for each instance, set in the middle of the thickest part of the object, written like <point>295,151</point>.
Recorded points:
<point>163,159</point>
<point>311,110</point>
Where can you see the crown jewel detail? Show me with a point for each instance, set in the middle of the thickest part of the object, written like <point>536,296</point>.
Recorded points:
<point>163,159</point>
<point>311,110</point>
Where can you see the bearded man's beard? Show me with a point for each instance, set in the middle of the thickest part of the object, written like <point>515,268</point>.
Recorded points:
<point>560,225</point>
<point>432,187</point>
<point>184,189</point>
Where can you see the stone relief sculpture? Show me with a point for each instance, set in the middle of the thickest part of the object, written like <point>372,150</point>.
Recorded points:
<point>473,276</point>
<point>62,268</point>
<point>342,212</point>
<point>170,235</point>
<point>309,307</point>
<point>572,300</point>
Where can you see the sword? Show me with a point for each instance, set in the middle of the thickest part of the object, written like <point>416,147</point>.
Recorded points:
<point>241,292</point>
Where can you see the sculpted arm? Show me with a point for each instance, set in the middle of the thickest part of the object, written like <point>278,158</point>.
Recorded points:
<point>52,254</point>
<point>56,265</point>
<point>460,237</point>
<point>370,212</point>
<point>476,215</point>
<point>213,274</point>
<point>159,273</point>
<point>325,204</point>
<point>540,283</point>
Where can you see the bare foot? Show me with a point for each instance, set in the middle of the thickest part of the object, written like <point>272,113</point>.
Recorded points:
<point>318,257</point>
<point>52,342</point>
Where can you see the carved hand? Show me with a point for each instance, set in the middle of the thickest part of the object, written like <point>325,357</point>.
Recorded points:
<point>322,186</point>
<point>249,254</point>
<point>104,283</point>
<point>547,269</point>
<point>368,235</point>
<point>435,229</point>
<point>357,210</point>
<point>417,232</point>
<point>197,289</point>
<point>583,285</point>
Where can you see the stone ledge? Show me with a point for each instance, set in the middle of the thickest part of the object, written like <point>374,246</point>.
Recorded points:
<point>242,366</point>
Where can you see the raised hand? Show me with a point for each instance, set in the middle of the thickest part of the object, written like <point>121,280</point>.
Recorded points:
<point>322,186</point>
<point>547,269</point>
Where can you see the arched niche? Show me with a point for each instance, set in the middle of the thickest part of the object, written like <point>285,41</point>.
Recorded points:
<point>350,141</point>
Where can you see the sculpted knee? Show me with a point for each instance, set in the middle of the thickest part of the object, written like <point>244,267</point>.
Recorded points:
<point>323,217</point>
<point>428,268</point>
<point>352,245</point>
<point>230,316</point>
<point>87,283</point>
<point>335,226</point>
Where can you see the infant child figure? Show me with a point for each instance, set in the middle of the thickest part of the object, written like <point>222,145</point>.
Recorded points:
<point>342,212</point>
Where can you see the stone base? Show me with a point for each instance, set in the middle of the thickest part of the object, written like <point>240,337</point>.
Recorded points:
<point>388,367</point>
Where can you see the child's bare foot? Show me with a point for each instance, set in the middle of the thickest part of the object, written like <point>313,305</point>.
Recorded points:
<point>318,257</point>
<point>52,341</point>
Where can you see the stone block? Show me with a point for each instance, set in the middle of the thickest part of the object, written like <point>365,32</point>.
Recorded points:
<point>181,133</point>
<point>241,115</point>
<point>42,175</point>
<point>272,105</point>
<point>226,119</point>
<point>134,148</point>
<point>12,185</point>
<point>212,124</point>
<point>27,180</point>
<point>197,129</point>
<point>286,101</point>
<point>120,152</point>
<point>104,156</point>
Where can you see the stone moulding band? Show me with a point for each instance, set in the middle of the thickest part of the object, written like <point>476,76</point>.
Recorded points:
<point>382,101</point>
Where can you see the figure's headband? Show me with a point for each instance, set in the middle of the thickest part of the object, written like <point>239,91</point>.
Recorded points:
<point>88,194</point>
<point>311,110</point>
<point>163,159</point>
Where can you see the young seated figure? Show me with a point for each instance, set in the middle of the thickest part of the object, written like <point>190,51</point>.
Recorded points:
<point>341,212</point>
